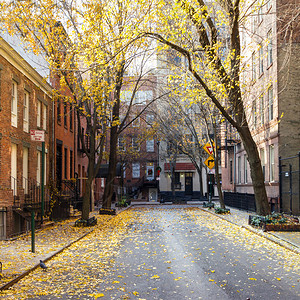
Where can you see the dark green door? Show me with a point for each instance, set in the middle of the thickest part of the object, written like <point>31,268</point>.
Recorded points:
<point>188,183</point>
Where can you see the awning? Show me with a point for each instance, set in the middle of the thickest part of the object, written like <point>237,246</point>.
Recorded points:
<point>181,167</point>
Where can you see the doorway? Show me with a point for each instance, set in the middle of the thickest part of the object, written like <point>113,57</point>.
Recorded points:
<point>58,163</point>
<point>152,194</point>
<point>188,183</point>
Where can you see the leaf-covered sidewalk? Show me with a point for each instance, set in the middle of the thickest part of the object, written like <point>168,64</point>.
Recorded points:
<point>16,256</point>
<point>290,240</point>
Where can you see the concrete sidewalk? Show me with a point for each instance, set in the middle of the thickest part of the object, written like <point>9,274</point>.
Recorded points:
<point>290,240</point>
<point>18,260</point>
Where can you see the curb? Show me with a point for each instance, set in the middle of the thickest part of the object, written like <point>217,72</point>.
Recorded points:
<point>27,272</point>
<point>269,236</point>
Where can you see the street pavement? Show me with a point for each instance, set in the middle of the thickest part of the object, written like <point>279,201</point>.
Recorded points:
<point>17,258</point>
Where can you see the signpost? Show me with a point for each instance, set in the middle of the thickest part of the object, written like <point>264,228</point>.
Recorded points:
<point>38,136</point>
<point>209,148</point>
<point>210,162</point>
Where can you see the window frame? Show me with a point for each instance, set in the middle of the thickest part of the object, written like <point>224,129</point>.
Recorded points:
<point>271,102</point>
<point>271,163</point>
<point>136,169</point>
<point>150,145</point>
<point>261,60</point>
<point>269,48</point>
<point>26,111</point>
<point>14,104</point>
<point>39,113</point>
<point>44,116</point>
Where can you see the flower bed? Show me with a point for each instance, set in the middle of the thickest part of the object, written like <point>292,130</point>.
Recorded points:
<point>275,222</point>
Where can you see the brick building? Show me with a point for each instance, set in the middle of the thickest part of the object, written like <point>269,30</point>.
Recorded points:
<point>25,101</point>
<point>270,46</point>
<point>137,143</point>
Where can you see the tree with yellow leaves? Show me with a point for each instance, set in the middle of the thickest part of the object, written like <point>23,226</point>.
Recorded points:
<point>88,45</point>
<point>206,36</point>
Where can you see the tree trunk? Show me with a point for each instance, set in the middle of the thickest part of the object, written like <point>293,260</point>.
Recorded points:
<point>216,154</point>
<point>257,176</point>
<point>172,169</point>
<point>199,170</point>
<point>86,200</point>
<point>109,186</point>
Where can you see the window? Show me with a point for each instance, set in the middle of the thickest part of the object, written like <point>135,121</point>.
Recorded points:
<point>38,167</point>
<point>13,169</point>
<point>14,104</point>
<point>71,164</point>
<point>71,119</point>
<point>239,170</point>
<point>38,113</point>
<point>254,23</point>
<point>261,59</point>
<point>260,15</point>
<point>268,5</point>
<point>253,66</point>
<point>150,145</point>
<point>150,171</point>
<point>26,112</point>
<point>136,122</point>
<point>121,143</point>
<point>269,48</point>
<point>135,144</point>
<point>270,103</point>
<point>44,117</point>
<point>65,114</point>
<point>141,97</point>
<point>261,109</point>
<point>254,114</point>
<point>245,169</point>
<point>126,96</point>
<point>272,163</point>
<point>58,112</point>
<point>149,119</point>
<point>135,170</point>
<point>66,163</point>
<point>25,169</point>
<point>263,161</point>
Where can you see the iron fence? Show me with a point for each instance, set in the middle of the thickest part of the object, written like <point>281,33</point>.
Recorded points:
<point>289,184</point>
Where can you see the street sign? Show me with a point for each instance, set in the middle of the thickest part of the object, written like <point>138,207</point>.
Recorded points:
<point>209,148</point>
<point>210,162</point>
<point>37,135</point>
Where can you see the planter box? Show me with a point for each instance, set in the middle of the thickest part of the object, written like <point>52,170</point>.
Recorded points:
<point>281,227</point>
<point>274,227</point>
<point>105,211</point>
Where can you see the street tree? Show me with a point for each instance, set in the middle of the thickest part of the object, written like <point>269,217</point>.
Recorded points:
<point>207,37</point>
<point>88,46</point>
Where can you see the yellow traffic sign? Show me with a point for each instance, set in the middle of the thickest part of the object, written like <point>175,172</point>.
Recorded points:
<point>210,162</point>
<point>209,148</point>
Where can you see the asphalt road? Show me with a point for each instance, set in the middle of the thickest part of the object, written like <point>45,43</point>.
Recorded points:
<point>169,253</point>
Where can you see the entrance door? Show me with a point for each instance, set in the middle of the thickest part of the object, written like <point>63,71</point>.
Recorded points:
<point>188,183</point>
<point>152,194</point>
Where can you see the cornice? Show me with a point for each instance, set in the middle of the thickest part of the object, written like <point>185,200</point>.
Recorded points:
<point>14,58</point>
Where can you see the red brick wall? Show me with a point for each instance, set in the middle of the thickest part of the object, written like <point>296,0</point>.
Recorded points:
<point>10,134</point>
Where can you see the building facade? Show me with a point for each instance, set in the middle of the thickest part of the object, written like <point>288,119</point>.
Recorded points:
<point>271,97</point>
<point>25,105</point>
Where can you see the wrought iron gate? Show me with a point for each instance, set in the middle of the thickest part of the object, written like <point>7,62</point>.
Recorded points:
<point>289,184</point>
